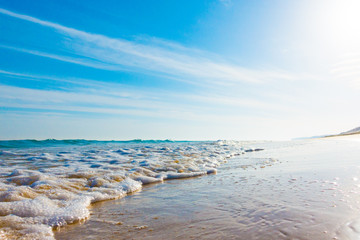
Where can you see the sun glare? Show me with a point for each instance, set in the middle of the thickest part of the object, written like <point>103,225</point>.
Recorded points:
<point>339,23</point>
<point>334,31</point>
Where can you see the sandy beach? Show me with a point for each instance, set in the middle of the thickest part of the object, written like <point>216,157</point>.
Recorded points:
<point>306,189</point>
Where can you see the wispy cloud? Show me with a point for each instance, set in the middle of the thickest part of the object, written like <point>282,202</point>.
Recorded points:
<point>94,93</point>
<point>167,59</point>
<point>347,70</point>
<point>75,83</point>
<point>80,61</point>
<point>59,101</point>
<point>12,94</point>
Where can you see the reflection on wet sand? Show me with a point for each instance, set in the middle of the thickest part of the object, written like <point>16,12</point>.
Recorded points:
<point>312,192</point>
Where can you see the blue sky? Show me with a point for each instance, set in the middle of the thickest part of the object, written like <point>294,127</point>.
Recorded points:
<point>196,70</point>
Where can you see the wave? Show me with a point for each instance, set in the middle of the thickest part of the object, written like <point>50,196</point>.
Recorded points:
<point>30,143</point>
<point>42,188</point>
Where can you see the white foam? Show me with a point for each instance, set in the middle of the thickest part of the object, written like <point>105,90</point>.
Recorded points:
<point>44,188</point>
<point>147,180</point>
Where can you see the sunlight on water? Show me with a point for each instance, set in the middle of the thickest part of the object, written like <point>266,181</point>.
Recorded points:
<point>49,184</point>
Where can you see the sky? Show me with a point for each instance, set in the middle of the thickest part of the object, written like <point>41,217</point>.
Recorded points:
<point>181,70</point>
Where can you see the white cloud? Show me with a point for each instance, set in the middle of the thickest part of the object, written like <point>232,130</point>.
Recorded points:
<point>346,71</point>
<point>79,61</point>
<point>121,101</point>
<point>216,104</point>
<point>160,57</point>
<point>130,102</point>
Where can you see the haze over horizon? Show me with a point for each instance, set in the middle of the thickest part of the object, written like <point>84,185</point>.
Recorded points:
<point>181,70</point>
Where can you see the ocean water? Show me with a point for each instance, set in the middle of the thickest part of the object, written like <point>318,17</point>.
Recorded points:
<point>45,185</point>
<point>306,190</point>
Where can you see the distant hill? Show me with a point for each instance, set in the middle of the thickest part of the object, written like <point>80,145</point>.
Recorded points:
<point>352,131</point>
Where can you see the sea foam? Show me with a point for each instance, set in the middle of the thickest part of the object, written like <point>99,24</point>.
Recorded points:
<point>51,185</point>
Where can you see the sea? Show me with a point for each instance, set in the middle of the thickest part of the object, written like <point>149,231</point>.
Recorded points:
<point>151,189</point>
<point>48,184</point>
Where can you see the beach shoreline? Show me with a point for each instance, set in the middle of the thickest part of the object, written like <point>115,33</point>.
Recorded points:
<point>309,192</point>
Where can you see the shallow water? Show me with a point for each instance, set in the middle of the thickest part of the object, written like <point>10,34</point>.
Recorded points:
<point>49,184</point>
<point>311,191</point>
<point>306,189</point>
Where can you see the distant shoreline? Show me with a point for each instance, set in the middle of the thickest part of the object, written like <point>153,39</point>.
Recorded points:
<point>342,134</point>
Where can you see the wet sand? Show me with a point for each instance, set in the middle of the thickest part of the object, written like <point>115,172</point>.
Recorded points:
<point>308,189</point>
